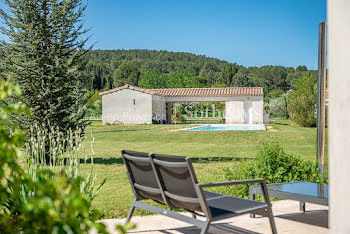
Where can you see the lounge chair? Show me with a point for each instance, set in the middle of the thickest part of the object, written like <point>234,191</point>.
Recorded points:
<point>171,181</point>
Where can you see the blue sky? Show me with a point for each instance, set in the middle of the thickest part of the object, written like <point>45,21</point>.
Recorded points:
<point>248,32</point>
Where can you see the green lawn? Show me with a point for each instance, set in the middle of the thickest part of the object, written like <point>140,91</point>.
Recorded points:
<point>211,152</point>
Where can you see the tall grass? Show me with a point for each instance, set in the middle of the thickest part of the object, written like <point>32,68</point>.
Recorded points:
<point>62,153</point>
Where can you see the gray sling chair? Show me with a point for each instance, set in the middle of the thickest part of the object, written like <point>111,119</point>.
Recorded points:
<point>171,181</point>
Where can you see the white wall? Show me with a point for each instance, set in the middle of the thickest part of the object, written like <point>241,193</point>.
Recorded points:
<point>339,114</point>
<point>245,110</point>
<point>119,106</point>
<point>234,112</point>
<point>258,111</point>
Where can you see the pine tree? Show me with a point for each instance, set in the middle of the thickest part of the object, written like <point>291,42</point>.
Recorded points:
<point>44,53</point>
<point>127,73</point>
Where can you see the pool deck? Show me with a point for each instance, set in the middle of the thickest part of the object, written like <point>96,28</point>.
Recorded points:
<point>261,127</point>
<point>287,216</point>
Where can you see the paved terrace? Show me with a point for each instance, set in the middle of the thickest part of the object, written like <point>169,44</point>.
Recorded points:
<point>287,216</point>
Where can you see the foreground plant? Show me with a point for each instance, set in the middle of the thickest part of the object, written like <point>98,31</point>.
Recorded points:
<point>66,154</point>
<point>49,203</point>
<point>275,165</point>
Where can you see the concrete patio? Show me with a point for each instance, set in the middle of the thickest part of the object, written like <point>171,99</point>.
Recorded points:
<point>287,216</point>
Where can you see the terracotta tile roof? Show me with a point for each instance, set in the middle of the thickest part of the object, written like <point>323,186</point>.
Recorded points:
<point>196,92</point>
<point>148,91</point>
<point>211,92</point>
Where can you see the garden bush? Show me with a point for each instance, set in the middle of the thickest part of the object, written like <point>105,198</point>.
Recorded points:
<point>50,203</point>
<point>66,153</point>
<point>43,198</point>
<point>302,102</point>
<point>94,100</point>
<point>279,107</point>
<point>275,165</point>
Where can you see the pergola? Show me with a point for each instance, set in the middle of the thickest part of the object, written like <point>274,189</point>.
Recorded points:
<point>243,105</point>
<point>236,99</point>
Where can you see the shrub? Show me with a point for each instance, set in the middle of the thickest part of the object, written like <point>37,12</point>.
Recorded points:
<point>182,119</point>
<point>98,104</point>
<point>275,93</point>
<point>94,100</point>
<point>65,151</point>
<point>279,107</point>
<point>302,102</point>
<point>275,165</point>
<point>267,108</point>
<point>50,203</point>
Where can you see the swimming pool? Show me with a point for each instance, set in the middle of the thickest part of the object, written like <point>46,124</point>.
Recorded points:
<point>227,128</point>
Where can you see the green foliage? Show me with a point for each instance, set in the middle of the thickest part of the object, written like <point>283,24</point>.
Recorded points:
<point>279,107</point>
<point>127,73</point>
<point>293,77</point>
<point>242,78</point>
<point>124,229</point>
<point>201,71</point>
<point>45,55</point>
<point>182,80</point>
<point>66,154</point>
<point>301,68</point>
<point>275,165</point>
<point>151,79</point>
<point>275,93</point>
<point>10,139</point>
<point>49,204</point>
<point>94,113</point>
<point>182,119</point>
<point>94,100</point>
<point>302,102</point>
<point>267,108</point>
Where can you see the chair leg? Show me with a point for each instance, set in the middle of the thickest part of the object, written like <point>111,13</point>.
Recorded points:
<point>132,209</point>
<point>252,197</point>
<point>206,227</point>
<point>272,220</point>
<point>302,206</point>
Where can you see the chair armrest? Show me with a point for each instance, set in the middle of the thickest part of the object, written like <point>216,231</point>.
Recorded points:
<point>228,183</point>
<point>236,182</point>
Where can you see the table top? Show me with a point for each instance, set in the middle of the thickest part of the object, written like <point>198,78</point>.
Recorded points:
<point>301,188</point>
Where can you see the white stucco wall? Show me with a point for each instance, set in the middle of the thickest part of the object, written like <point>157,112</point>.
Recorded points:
<point>245,110</point>
<point>258,111</point>
<point>339,114</point>
<point>119,106</point>
<point>234,112</point>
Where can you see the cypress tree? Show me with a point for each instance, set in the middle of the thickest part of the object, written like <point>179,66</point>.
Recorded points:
<point>44,52</point>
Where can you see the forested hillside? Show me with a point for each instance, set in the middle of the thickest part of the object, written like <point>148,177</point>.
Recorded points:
<point>162,69</point>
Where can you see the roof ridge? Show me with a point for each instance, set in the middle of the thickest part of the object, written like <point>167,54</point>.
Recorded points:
<point>210,88</point>
<point>235,91</point>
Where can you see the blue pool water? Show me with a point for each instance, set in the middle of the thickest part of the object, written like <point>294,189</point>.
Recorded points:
<point>225,128</point>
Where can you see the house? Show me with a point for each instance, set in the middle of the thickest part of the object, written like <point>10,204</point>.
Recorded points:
<point>134,105</point>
